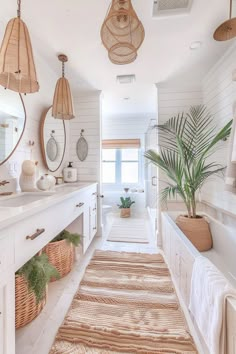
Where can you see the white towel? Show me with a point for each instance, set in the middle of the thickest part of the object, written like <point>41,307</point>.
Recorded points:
<point>209,291</point>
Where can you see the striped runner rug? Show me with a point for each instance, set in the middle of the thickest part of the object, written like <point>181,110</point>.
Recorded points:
<point>126,303</point>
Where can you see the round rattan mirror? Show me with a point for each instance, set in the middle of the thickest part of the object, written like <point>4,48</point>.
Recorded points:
<point>12,122</point>
<point>53,140</point>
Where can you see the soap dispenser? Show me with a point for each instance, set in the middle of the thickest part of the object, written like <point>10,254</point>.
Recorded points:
<point>70,174</point>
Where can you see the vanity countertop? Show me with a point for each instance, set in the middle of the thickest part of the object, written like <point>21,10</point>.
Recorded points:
<point>12,214</point>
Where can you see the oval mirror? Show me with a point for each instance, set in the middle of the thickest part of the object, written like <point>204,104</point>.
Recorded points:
<point>12,122</point>
<point>82,147</point>
<point>53,140</point>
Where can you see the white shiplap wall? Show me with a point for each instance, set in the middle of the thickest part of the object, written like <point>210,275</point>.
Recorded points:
<point>88,117</point>
<point>174,100</point>
<point>219,94</point>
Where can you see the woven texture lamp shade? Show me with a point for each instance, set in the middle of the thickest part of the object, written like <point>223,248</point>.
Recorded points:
<point>227,30</point>
<point>122,32</point>
<point>62,102</point>
<point>17,68</point>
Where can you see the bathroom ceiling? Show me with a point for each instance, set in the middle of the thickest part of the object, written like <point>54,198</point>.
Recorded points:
<point>73,27</point>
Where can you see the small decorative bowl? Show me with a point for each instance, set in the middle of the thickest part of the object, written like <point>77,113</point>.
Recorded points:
<point>126,190</point>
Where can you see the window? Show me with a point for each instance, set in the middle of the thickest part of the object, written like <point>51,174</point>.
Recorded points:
<point>121,166</point>
<point>109,165</point>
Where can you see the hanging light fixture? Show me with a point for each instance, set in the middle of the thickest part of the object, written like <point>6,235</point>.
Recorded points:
<point>122,32</point>
<point>17,68</point>
<point>227,30</point>
<point>62,107</point>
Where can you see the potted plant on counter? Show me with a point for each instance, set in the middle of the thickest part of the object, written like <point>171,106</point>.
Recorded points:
<point>61,251</point>
<point>31,282</point>
<point>125,207</point>
<point>187,143</point>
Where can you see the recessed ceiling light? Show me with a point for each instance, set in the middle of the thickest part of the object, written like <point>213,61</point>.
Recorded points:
<point>195,45</point>
<point>126,98</point>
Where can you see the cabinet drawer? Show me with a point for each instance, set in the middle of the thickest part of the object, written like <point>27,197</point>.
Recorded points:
<point>33,234</point>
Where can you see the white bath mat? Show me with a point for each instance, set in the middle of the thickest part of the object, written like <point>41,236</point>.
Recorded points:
<point>130,230</point>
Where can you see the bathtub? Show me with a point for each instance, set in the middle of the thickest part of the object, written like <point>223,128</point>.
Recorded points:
<point>180,255</point>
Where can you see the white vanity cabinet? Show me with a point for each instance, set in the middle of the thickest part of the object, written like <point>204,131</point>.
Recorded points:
<point>28,233</point>
<point>7,293</point>
<point>178,256</point>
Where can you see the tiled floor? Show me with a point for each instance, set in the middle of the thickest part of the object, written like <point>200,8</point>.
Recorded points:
<point>38,337</point>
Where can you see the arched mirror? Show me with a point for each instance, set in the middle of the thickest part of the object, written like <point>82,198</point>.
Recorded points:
<point>53,140</point>
<point>12,122</point>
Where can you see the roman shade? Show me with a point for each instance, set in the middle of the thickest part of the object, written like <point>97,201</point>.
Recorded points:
<point>121,144</point>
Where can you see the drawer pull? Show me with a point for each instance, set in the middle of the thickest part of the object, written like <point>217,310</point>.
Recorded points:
<point>95,228</point>
<point>94,209</point>
<point>79,205</point>
<point>36,234</point>
<point>95,193</point>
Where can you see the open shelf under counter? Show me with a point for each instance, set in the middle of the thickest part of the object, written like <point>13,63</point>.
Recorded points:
<point>38,336</point>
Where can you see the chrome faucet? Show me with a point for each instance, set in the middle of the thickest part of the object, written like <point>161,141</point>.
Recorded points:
<point>59,178</point>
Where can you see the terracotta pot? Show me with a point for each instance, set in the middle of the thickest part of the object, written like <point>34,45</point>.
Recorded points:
<point>197,230</point>
<point>125,213</point>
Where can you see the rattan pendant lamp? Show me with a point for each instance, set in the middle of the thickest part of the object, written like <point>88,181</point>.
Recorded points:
<point>227,30</point>
<point>62,107</point>
<point>17,68</point>
<point>122,32</point>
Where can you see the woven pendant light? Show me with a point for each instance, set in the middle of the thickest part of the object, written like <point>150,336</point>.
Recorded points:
<point>227,30</point>
<point>62,107</point>
<point>17,68</point>
<point>122,32</point>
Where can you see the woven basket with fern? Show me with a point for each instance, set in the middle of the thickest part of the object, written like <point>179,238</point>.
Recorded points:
<point>31,282</point>
<point>61,252</point>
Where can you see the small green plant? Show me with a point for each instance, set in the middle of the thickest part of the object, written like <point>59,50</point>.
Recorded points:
<point>125,203</point>
<point>37,273</point>
<point>68,236</point>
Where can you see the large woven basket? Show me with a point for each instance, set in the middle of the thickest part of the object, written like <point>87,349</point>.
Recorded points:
<point>61,255</point>
<point>197,230</point>
<point>27,307</point>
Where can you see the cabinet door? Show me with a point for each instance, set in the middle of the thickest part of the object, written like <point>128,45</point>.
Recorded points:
<point>93,219</point>
<point>7,314</point>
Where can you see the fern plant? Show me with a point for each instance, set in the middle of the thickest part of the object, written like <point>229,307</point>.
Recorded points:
<point>125,203</point>
<point>186,144</point>
<point>37,273</point>
<point>72,238</point>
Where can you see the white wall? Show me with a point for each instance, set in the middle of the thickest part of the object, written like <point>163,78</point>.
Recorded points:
<point>219,94</point>
<point>88,117</point>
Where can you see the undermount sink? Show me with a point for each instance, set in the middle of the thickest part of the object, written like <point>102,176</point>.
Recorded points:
<point>22,199</point>
<point>71,185</point>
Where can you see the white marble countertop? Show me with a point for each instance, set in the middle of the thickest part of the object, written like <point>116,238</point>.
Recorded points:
<point>11,215</point>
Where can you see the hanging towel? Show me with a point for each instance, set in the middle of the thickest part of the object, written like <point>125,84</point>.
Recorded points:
<point>209,291</point>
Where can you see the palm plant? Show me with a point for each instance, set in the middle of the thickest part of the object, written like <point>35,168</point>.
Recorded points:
<point>187,142</point>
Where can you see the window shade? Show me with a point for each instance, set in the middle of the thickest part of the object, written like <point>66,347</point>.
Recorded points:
<point>121,144</point>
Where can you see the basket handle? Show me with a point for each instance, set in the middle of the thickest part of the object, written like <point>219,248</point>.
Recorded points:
<point>36,234</point>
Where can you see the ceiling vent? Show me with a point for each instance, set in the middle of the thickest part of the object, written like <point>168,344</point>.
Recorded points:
<point>125,79</point>
<point>163,8</point>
